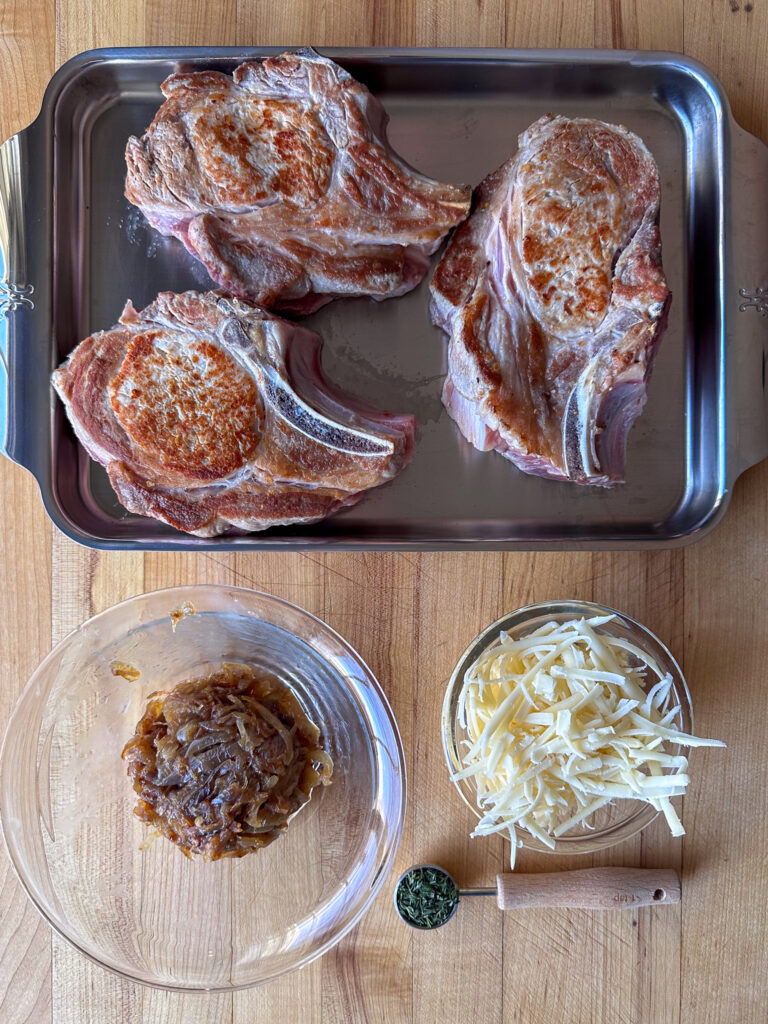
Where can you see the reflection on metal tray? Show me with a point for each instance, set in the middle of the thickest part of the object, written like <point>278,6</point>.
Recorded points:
<point>74,249</point>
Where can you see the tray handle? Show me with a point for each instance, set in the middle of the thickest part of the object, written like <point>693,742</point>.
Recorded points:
<point>16,292</point>
<point>746,308</point>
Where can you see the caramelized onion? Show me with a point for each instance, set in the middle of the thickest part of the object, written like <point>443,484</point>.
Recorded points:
<point>221,763</point>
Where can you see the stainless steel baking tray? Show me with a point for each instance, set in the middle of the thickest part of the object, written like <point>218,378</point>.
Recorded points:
<point>73,250</point>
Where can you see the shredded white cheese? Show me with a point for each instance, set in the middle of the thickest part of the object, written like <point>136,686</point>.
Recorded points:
<point>563,721</point>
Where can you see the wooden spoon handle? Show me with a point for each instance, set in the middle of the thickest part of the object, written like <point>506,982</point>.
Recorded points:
<point>591,888</point>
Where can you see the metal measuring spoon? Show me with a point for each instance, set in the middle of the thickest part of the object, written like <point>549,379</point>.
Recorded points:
<point>426,895</point>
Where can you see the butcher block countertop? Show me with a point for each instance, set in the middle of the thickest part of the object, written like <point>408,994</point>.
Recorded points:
<point>411,615</point>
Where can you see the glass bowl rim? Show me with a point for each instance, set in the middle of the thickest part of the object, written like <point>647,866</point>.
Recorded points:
<point>390,850</point>
<point>575,845</point>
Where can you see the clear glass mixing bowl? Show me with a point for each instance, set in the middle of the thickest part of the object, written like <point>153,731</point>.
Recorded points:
<point>617,821</point>
<point>152,914</point>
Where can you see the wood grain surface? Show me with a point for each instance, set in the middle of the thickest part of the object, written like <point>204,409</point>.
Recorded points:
<point>411,615</point>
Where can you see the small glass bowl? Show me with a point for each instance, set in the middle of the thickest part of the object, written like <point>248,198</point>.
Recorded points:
<point>148,912</point>
<point>617,821</point>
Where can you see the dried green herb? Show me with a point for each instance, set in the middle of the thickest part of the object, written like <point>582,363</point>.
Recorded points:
<point>426,897</point>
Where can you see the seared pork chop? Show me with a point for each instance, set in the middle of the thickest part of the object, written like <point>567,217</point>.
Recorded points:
<point>554,299</point>
<point>281,181</point>
<point>209,414</point>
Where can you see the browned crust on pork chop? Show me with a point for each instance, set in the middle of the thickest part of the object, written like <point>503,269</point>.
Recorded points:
<point>173,402</point>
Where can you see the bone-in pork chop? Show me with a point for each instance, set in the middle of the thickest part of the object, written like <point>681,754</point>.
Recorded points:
<point>281,181</point>
<point>553,297</point>
<point>208,413</point>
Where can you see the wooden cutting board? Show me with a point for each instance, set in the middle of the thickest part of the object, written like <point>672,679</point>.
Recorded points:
<point>411,615</point>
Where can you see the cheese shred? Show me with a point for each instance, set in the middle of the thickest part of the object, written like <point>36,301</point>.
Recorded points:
<point>563,721</point>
